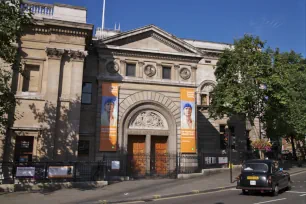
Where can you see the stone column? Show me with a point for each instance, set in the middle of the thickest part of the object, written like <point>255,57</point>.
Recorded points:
<point>141,64</point>
<point>148,152</point>
<point>51,111</point>
<point>193,74</point>
<point>54,65</point>
<point>176,72</point>
<point>74,104</point>
<point>69,110</point>
<point>159,71</point>
<point>122,67</point>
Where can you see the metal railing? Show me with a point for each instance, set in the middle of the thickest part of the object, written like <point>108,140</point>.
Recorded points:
<point>10,172</point>
<point>123,165</point>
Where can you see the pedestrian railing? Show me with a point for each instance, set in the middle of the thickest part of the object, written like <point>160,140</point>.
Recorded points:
<point>120,165</point>
<point>12,172</point>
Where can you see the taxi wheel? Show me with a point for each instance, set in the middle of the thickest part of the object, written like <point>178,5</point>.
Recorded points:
<point>275,191</point>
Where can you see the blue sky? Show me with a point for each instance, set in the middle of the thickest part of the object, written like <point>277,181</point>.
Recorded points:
<point>281,23</point>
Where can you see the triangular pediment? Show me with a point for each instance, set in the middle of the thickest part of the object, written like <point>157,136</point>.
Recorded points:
<point>150,38</point>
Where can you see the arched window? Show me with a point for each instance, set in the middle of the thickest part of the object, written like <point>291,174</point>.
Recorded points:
<point>205,93</point>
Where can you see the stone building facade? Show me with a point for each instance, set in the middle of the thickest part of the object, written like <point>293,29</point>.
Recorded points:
<point>61,103</point>
<point>53,53</point>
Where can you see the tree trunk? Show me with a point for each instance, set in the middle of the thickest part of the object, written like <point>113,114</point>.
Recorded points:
<point>293,147</point>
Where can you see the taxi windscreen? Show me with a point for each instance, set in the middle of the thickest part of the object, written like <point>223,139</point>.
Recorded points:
<point>258,167</point>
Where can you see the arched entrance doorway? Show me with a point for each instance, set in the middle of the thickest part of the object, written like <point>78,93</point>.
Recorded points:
<point>149,137</point>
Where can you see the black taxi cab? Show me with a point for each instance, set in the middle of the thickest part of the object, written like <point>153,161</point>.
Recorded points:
<point>262,176</point>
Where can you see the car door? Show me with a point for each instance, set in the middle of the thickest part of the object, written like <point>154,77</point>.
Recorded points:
<point>277,174</point>
<point>285,179</point>
<point>281,177</point>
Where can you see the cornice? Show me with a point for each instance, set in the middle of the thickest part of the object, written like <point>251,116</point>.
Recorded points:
<point>168,43</point>
<point>154,56</point>
<point>142,81</point>
<point>158,31</point>
<point>211,55</point>
<point>61,29</point>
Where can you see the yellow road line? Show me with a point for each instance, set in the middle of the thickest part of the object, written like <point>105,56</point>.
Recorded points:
<point>183,196</point>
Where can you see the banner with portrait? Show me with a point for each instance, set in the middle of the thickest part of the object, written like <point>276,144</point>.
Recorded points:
<point>109,117</point>
<point>188,123</point>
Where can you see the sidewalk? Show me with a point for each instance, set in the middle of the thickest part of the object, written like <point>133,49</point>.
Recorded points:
<point>129,190</point>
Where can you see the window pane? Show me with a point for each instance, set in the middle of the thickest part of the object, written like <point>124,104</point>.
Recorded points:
<point>259,167</point>
<point>86,87</point>
<point>83,147</point>
<point>31,78</point>
<point>203,99</point>
<point>166,73</point>
<point>86,98</point>
<point>130,69</point>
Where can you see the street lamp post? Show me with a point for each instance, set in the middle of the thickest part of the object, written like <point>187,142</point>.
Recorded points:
<point>229,146</point>
<point>261,87</point>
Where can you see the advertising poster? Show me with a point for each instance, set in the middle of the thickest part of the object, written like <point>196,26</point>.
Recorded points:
<point>60,172</point>
<point>115,165</point>
<point>109,117</point>
<point>28,172</point>
<point>188,140</point>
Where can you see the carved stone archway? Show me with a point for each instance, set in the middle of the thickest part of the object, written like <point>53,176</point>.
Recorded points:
<point>148,120</point>
<point>163,124</point>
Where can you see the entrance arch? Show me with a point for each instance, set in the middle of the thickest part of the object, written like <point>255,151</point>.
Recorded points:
<point>127,125</point>
<point>148,133</point>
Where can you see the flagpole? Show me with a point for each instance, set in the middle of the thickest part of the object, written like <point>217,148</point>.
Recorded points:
<point>103,14</point>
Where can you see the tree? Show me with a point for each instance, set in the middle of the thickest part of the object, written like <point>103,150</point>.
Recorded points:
<point>285,114</point>
<point>13,20</point>
<point>239,73</point>
<point>281,106</point>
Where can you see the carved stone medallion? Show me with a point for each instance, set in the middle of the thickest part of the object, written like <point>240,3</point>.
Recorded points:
<point>149,120</point>
<point>185,73</point>
<point>150,70</point>
<point>112,67</point>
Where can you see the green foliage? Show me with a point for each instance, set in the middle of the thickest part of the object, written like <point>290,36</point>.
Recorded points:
<point>285,113</point>
<point>13,20</point>
<point>239,72</point>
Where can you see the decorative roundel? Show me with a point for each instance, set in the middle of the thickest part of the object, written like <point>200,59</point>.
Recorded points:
<point>112,67</point>
<point>185,73</point>
<point>150,70</point>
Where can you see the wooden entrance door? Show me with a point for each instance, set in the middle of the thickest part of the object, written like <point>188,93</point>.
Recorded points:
<point>159,155</point>
<point>137,154</point>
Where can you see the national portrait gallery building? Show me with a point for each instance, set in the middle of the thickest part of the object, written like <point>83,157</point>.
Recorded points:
<point>138,92</point>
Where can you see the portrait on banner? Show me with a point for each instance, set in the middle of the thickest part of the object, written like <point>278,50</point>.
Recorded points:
<point>187,115</point>
<point>109,111</point>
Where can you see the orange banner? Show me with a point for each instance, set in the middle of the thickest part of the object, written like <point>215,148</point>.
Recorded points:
<point>109,115</point>
<point>188,140</point>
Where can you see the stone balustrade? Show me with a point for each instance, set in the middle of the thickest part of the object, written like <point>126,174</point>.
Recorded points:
<point>39,9</point>
<point>56,11</point>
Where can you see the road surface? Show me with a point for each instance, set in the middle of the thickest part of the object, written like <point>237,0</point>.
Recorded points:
<point>297,195</point>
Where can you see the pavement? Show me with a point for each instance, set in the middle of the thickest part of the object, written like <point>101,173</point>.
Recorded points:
<point>137,190</point>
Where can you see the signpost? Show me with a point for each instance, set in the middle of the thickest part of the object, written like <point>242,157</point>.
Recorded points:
<point>60,172</point>
<point>25,172</point>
